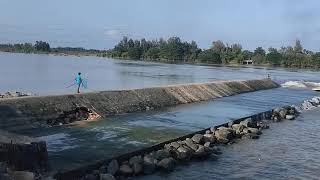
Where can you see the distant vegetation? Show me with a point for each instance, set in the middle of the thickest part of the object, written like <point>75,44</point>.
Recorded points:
<point>44,47</point>
<point>175,50</point>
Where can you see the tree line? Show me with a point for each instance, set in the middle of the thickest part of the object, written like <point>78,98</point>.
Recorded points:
<point>44,47</point>
<point>176,50</point>
<point>39,46</point>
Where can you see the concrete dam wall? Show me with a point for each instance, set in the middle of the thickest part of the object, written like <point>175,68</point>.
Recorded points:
<point>15,113</point>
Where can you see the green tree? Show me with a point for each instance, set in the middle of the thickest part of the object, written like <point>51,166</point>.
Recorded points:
<point>274,57</point>
<point>209,56</point>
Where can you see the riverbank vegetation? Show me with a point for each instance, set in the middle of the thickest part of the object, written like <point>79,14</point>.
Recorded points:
<point>177,51</point>
<point>174,50</point>
<point>44,47</point>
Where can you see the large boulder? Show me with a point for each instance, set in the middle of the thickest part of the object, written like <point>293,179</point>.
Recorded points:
<point>166,164</point>
<point>183,153</point>
<point>126,170</point>
<point>137,168</point>
<point>113,167</point>
<point>135,160</point>
<point>161,154</point>
<point>209,138</point>
<point>197,138</point>
<point>224,135</point>
<point>191,144</point>
<point>254,131</point>
<point>173,145</point>
<point>149,164</point>
<point>283,112</point>
<point>238,127</point>
<point>202,152</point>
<point>249,123</point>
<point>107,177</point>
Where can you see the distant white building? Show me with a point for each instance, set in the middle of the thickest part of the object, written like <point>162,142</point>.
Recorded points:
<point>248,61</point>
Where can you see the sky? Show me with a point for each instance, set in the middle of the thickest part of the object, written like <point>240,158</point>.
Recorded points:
<point>101,24</point>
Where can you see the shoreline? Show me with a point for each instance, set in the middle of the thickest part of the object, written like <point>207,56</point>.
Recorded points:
<point>101,55</point>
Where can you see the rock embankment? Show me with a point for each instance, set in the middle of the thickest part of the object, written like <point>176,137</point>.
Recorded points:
<point>198,146</point>
<point>23,113</point>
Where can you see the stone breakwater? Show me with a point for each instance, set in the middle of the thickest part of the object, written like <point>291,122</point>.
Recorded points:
<point>21,113</point>
<point>196,146</point>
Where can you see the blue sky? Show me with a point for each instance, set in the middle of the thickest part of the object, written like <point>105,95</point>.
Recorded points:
<point>101,23</point>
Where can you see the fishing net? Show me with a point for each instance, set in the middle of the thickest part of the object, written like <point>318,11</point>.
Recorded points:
<point>84,83</point>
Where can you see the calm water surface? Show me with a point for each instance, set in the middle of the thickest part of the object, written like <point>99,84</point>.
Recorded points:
<point>48,74</point>
<point>282,150</point>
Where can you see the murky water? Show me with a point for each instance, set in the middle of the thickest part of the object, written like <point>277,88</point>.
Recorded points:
<point>288,150</point>
<point>48,74</point>
<point>70,147</point>
<point>75,146</point>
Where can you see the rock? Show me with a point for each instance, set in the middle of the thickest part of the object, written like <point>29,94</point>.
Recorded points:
<point>107,177</point>
<point>113,167</point>
<point>137,168</point>
<point>161,154</point>
<point>230,123</point>
<point>197,138</point>
<point>183,153</point>
<point>22,175</point>
<point>254,131</point>
<point>174,145</point>
<point>149,164</point>
<point>201,152</point>
<point>283,112</point>
<point>209,138</point>
<point>213,129</point>
<point>223,135</point>
<point>166,164</point>
<point>208,132</point>
<point>135,160</point>
<point>249,123</point>
<point>191,144</point>
<point>238,128</point>
<point>263,125</point>
<point>290,117</point>
<point>207,144</point>
<point>125,170</point>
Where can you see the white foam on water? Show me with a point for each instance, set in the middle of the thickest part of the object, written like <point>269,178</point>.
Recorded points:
<point>301,84</point>
<point>59,142</point>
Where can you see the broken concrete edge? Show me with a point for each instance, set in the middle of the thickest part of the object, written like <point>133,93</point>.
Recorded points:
<point>23,152</point>
<point>26,111</point>
<point>80,172</point>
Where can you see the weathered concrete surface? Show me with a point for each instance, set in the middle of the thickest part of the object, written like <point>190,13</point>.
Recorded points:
<point>14,113</point>
<point>23,152</point>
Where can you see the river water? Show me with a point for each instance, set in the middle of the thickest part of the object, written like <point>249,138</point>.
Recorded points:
<point>71,147</point>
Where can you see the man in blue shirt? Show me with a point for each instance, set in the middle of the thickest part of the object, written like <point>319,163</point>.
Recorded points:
<point>78,81</point>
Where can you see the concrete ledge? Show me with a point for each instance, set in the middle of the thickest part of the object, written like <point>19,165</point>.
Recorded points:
<point>16,113</point>
<point>22,152</point>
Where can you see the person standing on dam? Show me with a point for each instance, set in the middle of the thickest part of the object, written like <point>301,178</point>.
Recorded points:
<point>78,81</point>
